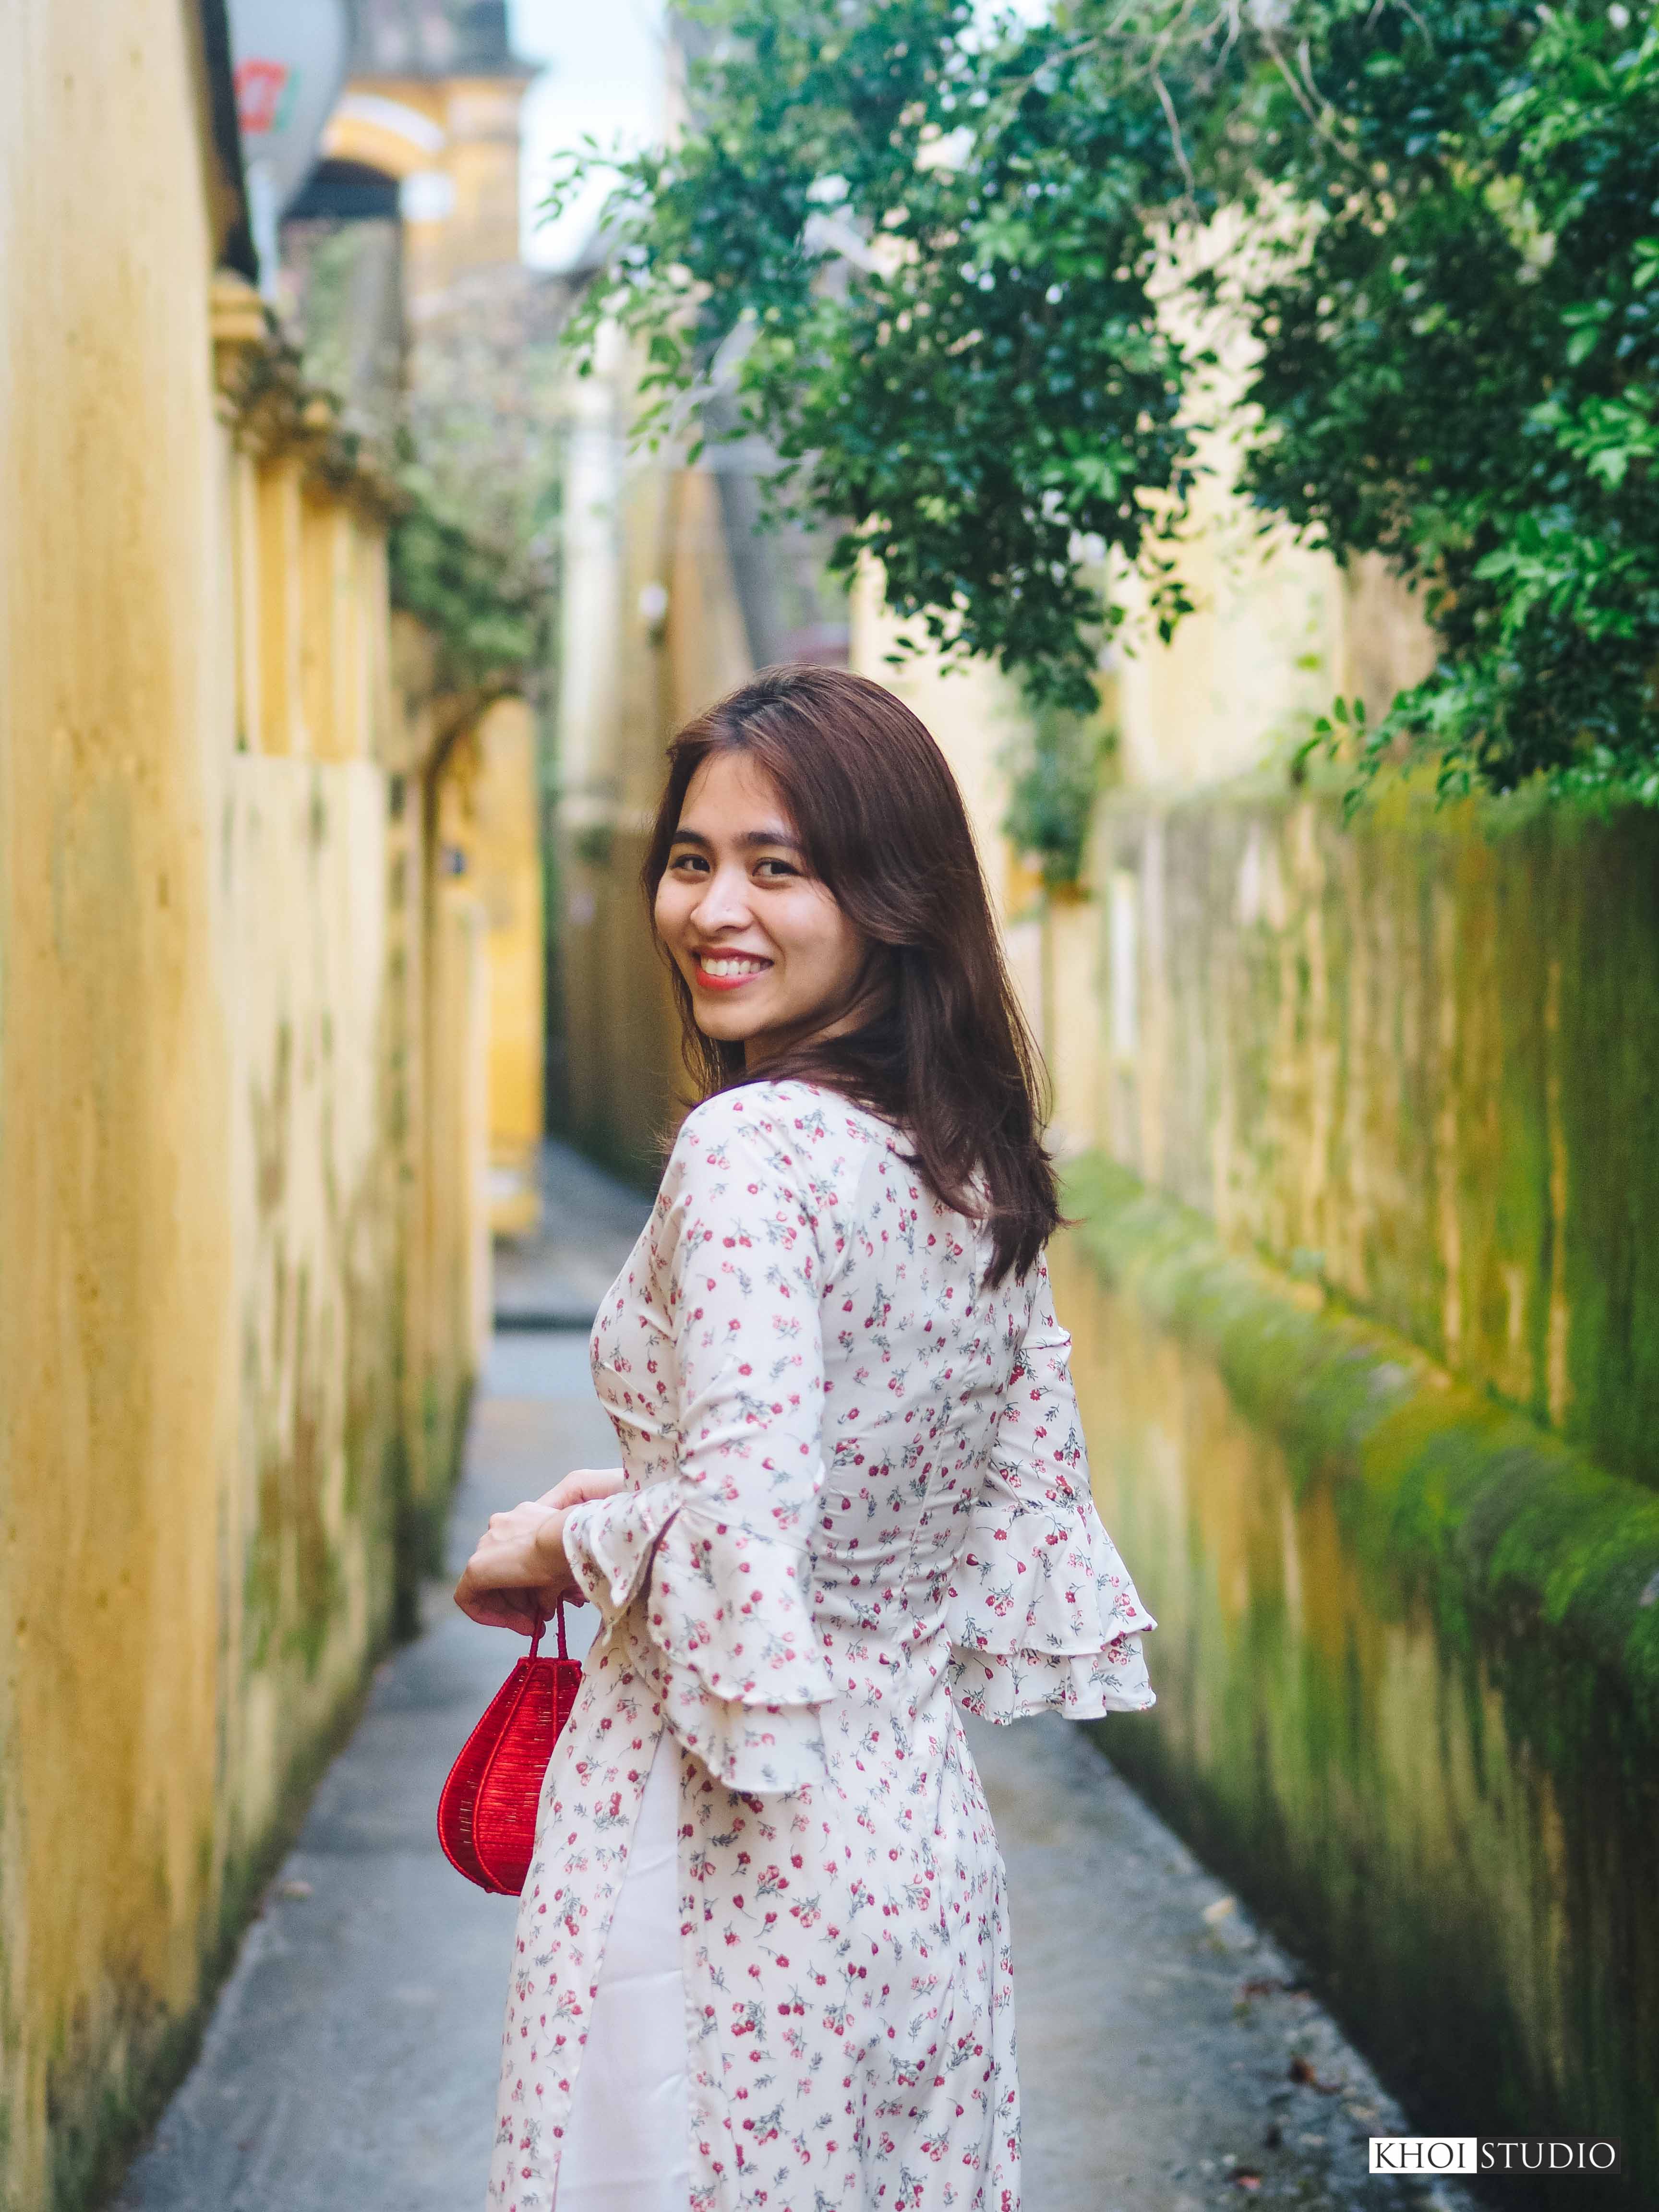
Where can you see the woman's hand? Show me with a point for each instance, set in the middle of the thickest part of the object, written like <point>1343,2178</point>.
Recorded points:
<point>519,1570</point>
<point>583,1483</point>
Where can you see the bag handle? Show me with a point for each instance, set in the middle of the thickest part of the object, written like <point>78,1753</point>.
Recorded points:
<point>541,1623</point>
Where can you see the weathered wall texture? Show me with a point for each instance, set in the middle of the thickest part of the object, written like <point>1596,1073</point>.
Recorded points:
<point>1414,1058</point>
<point>318,1238</point>
<point>1407,1667</point>
<point>1408,1688</point>
<point>229,1195</point>
<point>652,631</point>
<point>457,1285</point>
<point>625,1080</point>
<point>500,771</point>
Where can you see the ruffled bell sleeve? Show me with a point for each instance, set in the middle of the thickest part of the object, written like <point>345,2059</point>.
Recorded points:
<point>1042,1613</point>
<point>731,1411</point>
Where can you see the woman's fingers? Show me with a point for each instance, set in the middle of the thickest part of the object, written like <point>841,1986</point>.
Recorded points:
<point>516,1610</point>
<point>496,1609</point>
<point>513,1551</point>
<point>517,1568</point>
<point>583,1483</point>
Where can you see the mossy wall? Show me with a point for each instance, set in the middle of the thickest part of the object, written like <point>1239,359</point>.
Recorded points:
<point>652,633</point>
<point>1414,1060</point>
<point>238,1033</point>
<point>625,1075</point>
<point>319,1165</point>
<point>1408,1666</point>
<point>504,858</point>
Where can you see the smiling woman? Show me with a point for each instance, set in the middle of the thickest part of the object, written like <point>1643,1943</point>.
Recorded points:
<point>763,1951</point>
<point>827,800</point>
<point>769,956</point>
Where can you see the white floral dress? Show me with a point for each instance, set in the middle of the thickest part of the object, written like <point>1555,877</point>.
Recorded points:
<point>857,1499</point>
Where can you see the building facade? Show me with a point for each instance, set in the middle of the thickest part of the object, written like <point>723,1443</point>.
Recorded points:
<point>243,1254</point>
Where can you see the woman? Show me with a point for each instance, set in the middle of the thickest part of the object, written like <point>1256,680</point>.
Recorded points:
<point>853,1498</point>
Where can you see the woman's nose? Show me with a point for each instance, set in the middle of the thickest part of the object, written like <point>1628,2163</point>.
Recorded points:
<point>725,903</point>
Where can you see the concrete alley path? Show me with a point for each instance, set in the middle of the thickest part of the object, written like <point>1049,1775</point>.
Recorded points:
<point>1169,2061</point>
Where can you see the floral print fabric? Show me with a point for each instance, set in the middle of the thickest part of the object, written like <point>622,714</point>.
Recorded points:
<point>857,1496</point>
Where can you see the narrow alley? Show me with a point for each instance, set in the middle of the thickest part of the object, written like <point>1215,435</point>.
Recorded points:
<point>465,463</point>
<point>1169,2061</point>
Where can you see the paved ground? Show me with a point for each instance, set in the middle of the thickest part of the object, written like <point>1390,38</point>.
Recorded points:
<point>1168,2062</point>
<point>557,1277</point>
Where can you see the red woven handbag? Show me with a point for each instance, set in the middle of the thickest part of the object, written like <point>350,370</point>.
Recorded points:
<point>486,1813</point>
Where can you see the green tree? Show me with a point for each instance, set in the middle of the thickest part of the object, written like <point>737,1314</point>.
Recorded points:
<point>924,255</point>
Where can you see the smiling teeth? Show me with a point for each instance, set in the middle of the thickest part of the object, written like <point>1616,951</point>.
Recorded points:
<point>732,967</point>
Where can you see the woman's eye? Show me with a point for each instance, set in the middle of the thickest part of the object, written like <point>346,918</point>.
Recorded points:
<point>773,871</point>
<point>691,864</point>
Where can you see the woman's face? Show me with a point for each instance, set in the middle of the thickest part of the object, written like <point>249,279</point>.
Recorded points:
<point>771,959</point>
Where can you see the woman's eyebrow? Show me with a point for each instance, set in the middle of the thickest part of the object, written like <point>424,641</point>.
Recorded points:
<point>751,840</point>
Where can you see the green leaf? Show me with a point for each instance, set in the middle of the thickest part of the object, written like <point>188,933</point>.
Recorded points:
<point>979,374</point>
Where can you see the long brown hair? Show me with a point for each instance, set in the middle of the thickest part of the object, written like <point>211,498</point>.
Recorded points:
<point>945,1054</point>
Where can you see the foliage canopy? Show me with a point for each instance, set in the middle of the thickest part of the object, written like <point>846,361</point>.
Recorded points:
<point>937,260</point>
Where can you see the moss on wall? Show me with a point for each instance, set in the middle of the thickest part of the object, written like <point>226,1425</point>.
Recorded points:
<point>105,2091</point>
<point>1408,1666</point>
<point>229,1205</point>
<point>624,1076</point>
<point>1413,1059</point>
<point>504,862</point>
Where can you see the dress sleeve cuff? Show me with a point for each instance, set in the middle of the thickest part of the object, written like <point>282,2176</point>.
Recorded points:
<point>1013,1685</point>
<point>607,1543</point>
<point>1043,1615</point>
<point>730,1611</point>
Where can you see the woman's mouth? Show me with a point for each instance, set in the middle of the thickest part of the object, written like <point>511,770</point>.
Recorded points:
<point>728,971</point>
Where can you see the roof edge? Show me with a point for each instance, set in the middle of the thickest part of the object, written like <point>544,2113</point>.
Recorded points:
<point>234,244</point>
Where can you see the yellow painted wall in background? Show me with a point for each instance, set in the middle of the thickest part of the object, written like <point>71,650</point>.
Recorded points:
<point>503,851</point>
<point>459,137</point>
<point>241,1086</point>
<point>652,633</point>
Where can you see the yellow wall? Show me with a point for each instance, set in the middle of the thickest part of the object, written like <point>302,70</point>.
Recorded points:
<point>457,139</point>
<point>651,632</point>
<point>117,1263</point>
<point>445,1013</point>
<point>233,1175</point>
<point>459,136</point>
<point>456,1140</point>
<point>502,840</point>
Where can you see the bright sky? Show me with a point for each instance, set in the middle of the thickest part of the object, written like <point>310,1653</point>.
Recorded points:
<point>603,79</point>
